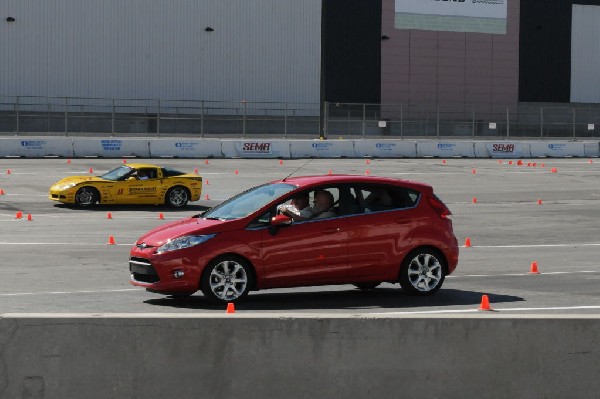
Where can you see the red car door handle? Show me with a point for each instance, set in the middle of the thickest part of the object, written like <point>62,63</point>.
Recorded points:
<point>331,230</point>
<point>402,221</point>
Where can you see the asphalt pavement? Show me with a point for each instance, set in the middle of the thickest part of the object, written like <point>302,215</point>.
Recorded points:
<point>60,260</point>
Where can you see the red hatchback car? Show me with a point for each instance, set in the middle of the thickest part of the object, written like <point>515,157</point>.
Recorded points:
<point>361,230</point>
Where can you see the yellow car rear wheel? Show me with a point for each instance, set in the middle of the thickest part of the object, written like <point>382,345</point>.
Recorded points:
<point>177,196</point>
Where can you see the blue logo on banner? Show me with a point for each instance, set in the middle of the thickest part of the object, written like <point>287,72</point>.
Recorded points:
<point>186,146</point>
<point>33,144</point>
<point>322,146</point>
<point>446,146</point>
<point>385,146</point>
<point>111,145</point>
<point>557,147</point>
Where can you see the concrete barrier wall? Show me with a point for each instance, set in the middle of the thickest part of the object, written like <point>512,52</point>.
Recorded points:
<point>229,356</point>
<point>265,148</point>
<point>591,149</point>
<point>36,147</point>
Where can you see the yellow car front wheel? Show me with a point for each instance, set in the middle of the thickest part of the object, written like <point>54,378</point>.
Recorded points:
<point>87,196</point>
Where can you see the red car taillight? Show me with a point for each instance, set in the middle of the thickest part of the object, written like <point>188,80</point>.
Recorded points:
<point>439,207</point>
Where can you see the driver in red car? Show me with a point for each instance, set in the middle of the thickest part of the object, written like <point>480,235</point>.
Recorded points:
<point>298,210</point>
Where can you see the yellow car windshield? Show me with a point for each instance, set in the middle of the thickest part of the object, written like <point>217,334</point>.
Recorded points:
<point>120,173</point>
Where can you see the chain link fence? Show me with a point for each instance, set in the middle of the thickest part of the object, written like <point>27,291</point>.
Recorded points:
<point>71,116</point>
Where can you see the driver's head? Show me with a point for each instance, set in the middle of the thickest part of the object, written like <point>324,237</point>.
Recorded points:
<point>323,200</point>
<point>301,201</point>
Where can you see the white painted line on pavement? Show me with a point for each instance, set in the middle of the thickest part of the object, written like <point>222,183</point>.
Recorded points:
<point>522,274</point>
<point>70,292</point>
<point>535,246</point>
<point>493,308</point>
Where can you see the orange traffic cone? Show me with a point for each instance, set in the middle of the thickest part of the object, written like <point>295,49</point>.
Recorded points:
<point>330,172</point>
<point>109,215</point>
<point>510,162</point>
<point>8,172</point>
<point>368,161</point>
<point>367,172</point>
<point>196,171</point>
<point>29,218</point>
<point>590,161</point>
<point>161,216</point>
<point>473,171</point>
<point>207,198</point>
<point>68,161</point>
<point>206,182</point>
<point>539,202</point>
<point>485,303</point>
<point>236,172</point>
<point>444,161</point>
<point>474,200</point>
<point>534,268</point>
<point>124,161</point>
<point>230,308</point>
<point>1,191</point>
<point>91,170</point>
<point>519,162</point>
<point>19,215</point>
<point>499,161</point>
<point>206,162</point>
<point>281,162</point>
<point>468,242</point>
<point>111,240</point>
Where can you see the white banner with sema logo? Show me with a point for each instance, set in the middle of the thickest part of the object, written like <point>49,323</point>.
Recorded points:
<point>255,148</point>
<point>503,149</point>
<point>36,147</point>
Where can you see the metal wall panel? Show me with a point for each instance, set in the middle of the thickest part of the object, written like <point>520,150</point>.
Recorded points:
<point>260,50</point>
<point>452,69</point>
<point>585,54</point>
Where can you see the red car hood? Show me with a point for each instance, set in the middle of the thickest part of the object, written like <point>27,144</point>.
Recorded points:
<point>169,231</point>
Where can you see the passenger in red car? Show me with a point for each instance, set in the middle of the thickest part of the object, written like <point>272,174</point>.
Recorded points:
<point>323,205</point>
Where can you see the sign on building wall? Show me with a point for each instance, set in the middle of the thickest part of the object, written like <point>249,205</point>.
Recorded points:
<point>483,16</point>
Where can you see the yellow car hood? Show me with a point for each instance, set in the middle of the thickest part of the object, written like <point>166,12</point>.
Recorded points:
<point>77,179</point>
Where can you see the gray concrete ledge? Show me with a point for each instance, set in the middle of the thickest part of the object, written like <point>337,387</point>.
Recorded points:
<point>486,355</point>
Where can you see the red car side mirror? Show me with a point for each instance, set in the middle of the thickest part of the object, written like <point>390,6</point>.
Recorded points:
<point>281,220</point>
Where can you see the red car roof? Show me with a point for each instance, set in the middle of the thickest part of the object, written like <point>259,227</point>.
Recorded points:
<point>307,181</point>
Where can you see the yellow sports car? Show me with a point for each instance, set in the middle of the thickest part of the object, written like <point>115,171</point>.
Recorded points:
<point>130,184</point>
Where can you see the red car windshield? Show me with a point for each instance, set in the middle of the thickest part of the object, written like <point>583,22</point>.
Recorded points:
<point>248,202</point>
